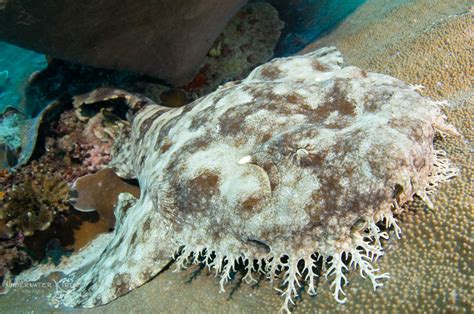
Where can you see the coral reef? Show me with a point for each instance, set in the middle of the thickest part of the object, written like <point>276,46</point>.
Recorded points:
<point>430,267</point>
<point>73,229</point>
<point>99,192</point>
<point>87,137</point>
<point>345,150</point>
<point>10,125</point>
<point>20,135</point>
<point>247,41</point>
<point>89,140</point>
<point>35,196</point>
<point>12,258</point>
<point>440,56</point>
<point>33,204</point>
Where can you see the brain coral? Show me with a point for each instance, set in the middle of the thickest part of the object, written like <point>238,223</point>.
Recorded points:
<point>298,170</point>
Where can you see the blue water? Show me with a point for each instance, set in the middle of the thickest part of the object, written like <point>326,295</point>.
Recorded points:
<point>306,20</point>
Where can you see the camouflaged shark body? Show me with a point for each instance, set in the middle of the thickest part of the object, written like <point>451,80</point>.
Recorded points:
<point>296,163</point>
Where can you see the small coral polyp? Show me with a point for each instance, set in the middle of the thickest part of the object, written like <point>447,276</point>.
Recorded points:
<point>296,171</point>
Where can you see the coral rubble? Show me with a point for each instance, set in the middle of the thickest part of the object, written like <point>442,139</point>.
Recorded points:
<point>298,170</point>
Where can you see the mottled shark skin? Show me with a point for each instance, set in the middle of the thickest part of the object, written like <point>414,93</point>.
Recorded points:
<point>301,161</point>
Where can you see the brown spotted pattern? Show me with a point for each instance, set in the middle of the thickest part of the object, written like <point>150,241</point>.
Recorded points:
<point>285,163</point>
<point>318,150</point>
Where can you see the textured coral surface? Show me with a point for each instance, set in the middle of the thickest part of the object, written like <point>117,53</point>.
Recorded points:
<point>247,41</point>
<point>431,48</point>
